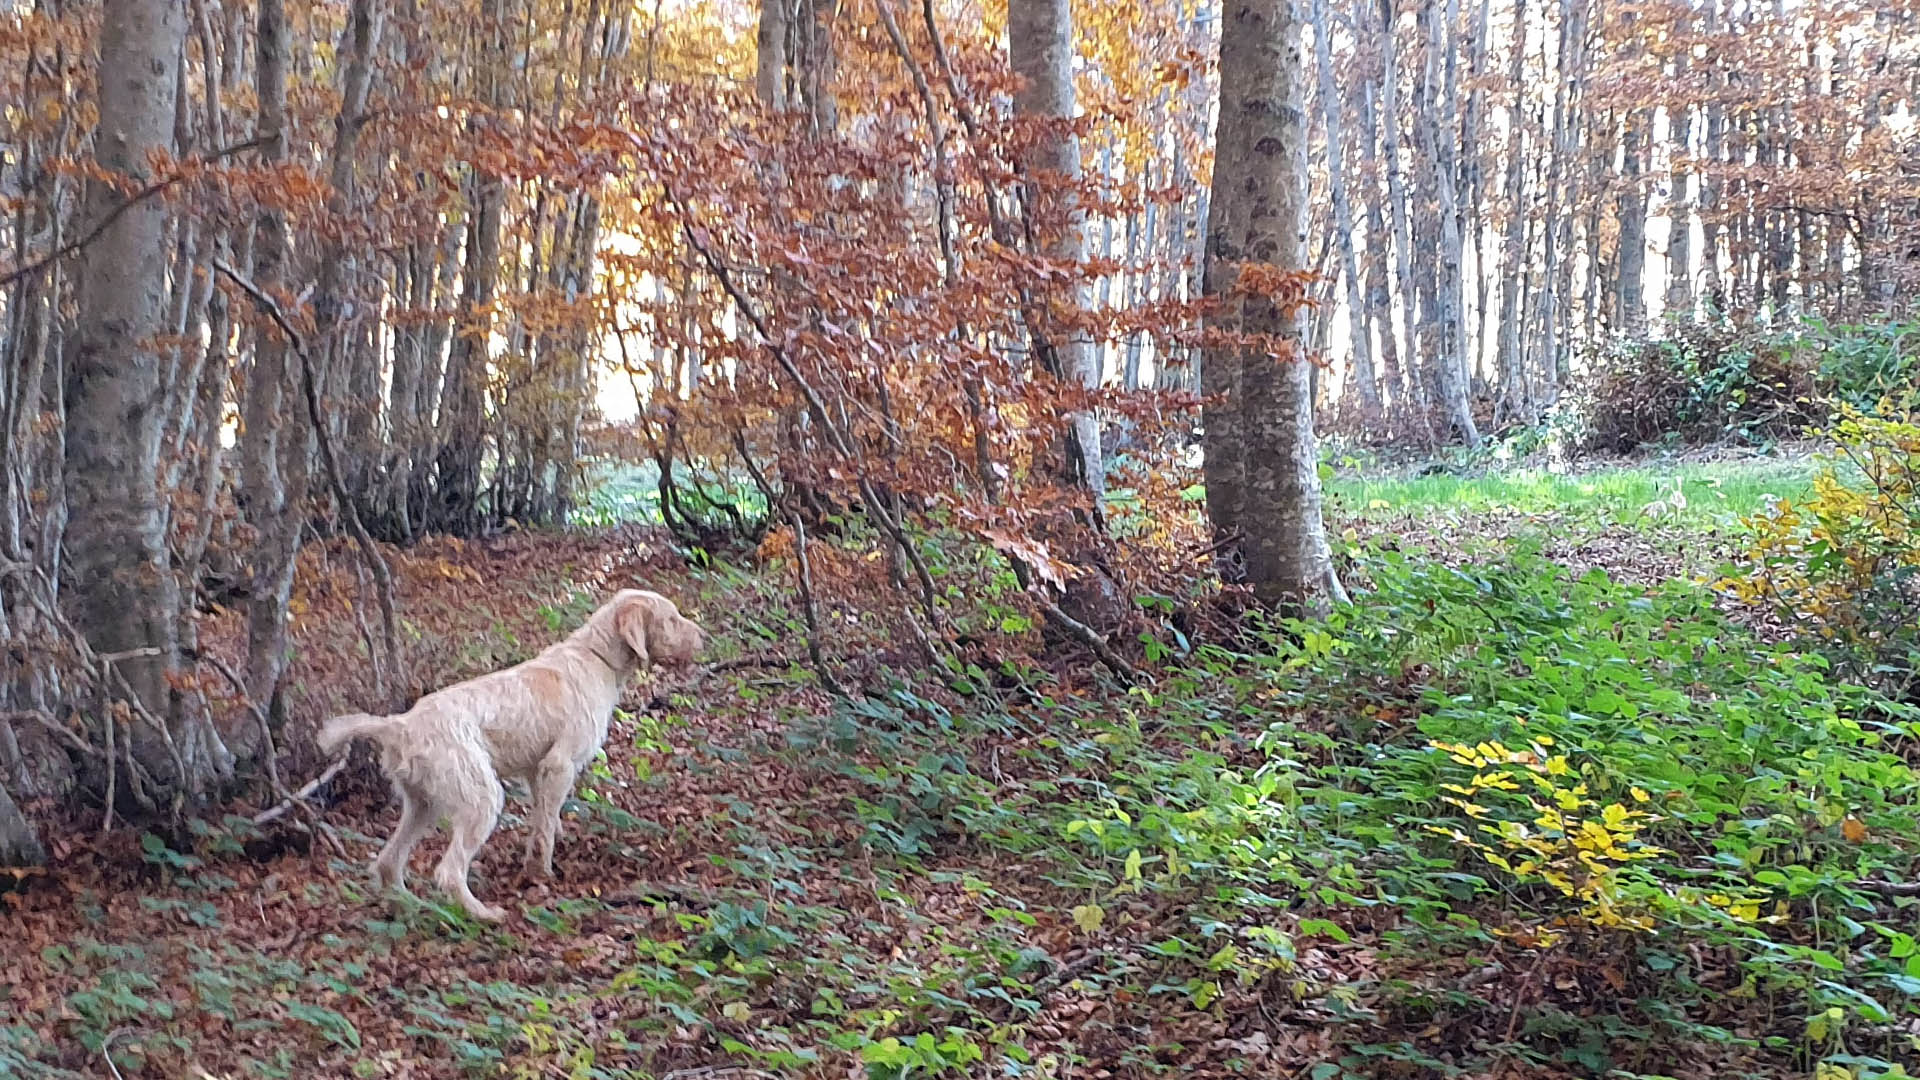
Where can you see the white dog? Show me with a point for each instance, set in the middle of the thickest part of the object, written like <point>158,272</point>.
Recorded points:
<point>541,721</point>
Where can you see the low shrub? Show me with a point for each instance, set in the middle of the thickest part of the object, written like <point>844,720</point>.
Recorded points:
<point>1839,567</point>
<point>1706,382</point>
<point>1716,381</point>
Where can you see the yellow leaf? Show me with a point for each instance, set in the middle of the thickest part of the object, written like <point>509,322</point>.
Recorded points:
<point>1088,917</point>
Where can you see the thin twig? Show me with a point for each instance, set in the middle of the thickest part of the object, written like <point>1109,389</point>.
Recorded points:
<point>288,799</point>
<point>101,671</point>
<point>52,726</point>
<point>803,573</point>
<point>1890,888</point>
<point>106,1051</point>
<point>837,437</point>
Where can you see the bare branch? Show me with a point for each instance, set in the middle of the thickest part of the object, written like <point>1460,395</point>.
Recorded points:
<point>106,220</point>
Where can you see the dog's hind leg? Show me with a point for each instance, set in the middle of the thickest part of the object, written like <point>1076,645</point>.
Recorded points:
<point>416,820</point>
<point>551,781</point>
<point>475,807</point>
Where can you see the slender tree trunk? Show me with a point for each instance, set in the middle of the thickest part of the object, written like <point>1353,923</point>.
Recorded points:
<point>1041,33</point>
<point>1366,382</point>
<point>463,419</point>
<point>1379,252</point>
<point>1678,304</point>
<point>816,60</point>
<point>1710,186</point>
<point>274,438</point>
<point>770,62</point>
<point>1259,216</point>
<point>1632,215</point>
<point>1516,401</point>
<point>1434,127</point>
<point>1397,200</point>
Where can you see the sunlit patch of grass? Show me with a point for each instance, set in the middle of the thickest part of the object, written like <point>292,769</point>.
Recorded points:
<point>1703,493</point>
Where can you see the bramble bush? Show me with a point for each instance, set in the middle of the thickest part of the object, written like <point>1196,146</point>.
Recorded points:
<point>1716,381</point>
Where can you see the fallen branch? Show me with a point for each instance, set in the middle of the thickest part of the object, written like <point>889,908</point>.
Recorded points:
<point>299,798</point>
<point>1088,636</point>
<point>1890,888</point>
<point>288,799</point>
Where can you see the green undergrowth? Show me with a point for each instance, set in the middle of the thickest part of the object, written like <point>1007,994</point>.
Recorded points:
<point>1491,816</point>
<point>1500,761</point>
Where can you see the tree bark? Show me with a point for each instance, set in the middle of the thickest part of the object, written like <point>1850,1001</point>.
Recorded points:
<point>1041,36</point>
<point>275,437</point>
<point>1631,209</point>
<point>1397,200</point>
<point>1435,126</point>
<point>770,59</point>
<point>463,408</point>
<point>1516,400</point>
<point>122,592</point>
<point>1366,382</point>
<point>1380,246</point>
<point>1678,303</point>
<point>1266,453</point>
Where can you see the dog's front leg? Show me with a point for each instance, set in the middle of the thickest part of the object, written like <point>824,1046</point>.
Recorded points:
<point>551,781</point>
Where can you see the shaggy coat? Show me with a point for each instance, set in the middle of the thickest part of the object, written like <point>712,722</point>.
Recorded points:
<point>540,721</point>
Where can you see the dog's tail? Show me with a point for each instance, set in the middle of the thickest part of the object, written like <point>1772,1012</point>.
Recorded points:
<point>342,730</point>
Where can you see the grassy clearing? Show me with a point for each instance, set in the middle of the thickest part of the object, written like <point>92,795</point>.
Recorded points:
<point>1710,492</point>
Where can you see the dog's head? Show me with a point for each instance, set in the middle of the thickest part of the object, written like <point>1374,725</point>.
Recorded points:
<point>655,630</point>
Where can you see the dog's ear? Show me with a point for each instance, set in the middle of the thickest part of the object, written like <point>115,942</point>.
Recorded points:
<point>632,620</point>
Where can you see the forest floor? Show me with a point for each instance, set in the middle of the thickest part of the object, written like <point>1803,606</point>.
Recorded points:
<point>1257,866</point>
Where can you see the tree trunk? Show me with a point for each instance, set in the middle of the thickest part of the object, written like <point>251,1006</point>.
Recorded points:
<point>1397,200</point>
<point>1678,303</point>
<point>770,61</point>
<point>1516,401</point>
<point>815,62</point>
<point>1041,36</point>
<point>1435,127</point>
<point>1632,215</point>
<point>463,411</point>
<point>1379,252</point>
<point>1366,381</point>
<point>275,436</point>
<point>122,592</point>
<point>1266,451</point>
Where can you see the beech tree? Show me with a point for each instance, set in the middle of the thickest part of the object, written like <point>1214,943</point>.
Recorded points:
<point>123,593</point>
<point>1263,479</point>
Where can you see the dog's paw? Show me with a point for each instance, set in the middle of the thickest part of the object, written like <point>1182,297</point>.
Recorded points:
<point>489,913</point>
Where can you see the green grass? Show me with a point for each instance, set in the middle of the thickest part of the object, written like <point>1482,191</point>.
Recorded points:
<point>1709,493</point>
